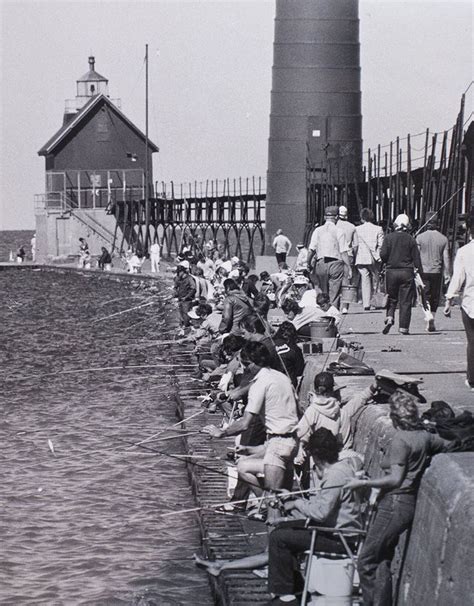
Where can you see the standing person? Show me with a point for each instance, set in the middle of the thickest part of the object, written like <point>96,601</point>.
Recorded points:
<point>271,395</point>
<point>401,256</point>
<point>352,242</point>
<point>408,456</point>
<point>328,245</point>
<point>434,253</point>
<point>155,257</point>
<point>185,291</point>
<point>282,246</point>
<point>105,260</point>
<point>33,248</point>
<point>463,278</point>
<point>20,254</point>
<point>367,261</point>
<point>84,255</point>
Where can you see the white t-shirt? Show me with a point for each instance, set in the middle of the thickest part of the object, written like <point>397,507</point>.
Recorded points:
<point>271,395</point>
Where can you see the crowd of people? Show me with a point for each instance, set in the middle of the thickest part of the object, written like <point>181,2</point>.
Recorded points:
<point>255,367</point>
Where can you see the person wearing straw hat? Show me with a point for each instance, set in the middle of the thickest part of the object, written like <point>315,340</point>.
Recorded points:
<point>352,241</point>
<point>434,253</point>
<point>401,256</point>
<point>329,246</point>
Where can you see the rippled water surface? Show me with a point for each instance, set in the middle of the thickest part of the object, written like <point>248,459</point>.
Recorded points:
<point>79,506</point>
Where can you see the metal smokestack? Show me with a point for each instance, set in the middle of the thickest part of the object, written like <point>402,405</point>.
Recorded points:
<point>315,104</point>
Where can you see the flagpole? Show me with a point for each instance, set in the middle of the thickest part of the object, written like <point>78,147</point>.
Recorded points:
<point>147,196</point>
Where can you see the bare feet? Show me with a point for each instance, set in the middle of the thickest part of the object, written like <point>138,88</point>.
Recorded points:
<point>213,568</point>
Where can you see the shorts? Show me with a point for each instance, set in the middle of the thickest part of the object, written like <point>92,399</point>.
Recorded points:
<point>280,452</point>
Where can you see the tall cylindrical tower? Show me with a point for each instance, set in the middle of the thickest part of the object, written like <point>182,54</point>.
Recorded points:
<point>315,104</point>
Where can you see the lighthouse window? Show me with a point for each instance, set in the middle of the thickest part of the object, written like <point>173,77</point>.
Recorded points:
<point>92,88</point>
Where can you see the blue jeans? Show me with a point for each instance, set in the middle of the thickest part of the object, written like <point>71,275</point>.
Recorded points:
<point>394,515</point>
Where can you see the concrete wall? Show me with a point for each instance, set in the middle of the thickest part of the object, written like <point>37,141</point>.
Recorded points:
<point>58,236</point>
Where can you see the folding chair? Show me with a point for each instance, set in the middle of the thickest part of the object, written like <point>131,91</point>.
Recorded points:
<point>342,534</point>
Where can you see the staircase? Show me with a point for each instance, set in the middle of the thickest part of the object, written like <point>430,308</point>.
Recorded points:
<point>88,221</point>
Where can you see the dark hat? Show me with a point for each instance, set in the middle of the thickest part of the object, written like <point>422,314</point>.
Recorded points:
<point>431,217</point>
<point>331,211</point>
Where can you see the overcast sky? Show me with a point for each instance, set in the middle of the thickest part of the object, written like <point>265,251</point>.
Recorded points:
<point>210,79</point>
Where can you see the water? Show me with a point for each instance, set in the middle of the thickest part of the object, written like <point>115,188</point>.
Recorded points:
<point>81,525</point>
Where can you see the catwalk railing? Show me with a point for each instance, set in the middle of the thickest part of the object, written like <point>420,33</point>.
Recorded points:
<point>401,177</point>
<point>231,212</point>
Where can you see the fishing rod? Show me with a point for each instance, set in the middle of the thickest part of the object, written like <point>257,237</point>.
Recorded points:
<point>274,497</point>
<point>173,427</point>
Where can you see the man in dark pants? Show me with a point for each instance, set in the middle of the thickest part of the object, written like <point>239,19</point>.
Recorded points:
<point>434,253</point>
<point>332,507</point>
<point>401,256</point>
<point>185,291</point>
<point>329,246</point>
<point>463,279</point>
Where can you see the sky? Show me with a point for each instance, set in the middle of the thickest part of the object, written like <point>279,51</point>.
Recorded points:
<point>210,79</point>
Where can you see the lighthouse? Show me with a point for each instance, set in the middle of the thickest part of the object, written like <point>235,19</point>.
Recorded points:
<point>315,114</point>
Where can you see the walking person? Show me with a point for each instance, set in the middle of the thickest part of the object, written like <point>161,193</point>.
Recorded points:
<point>367,261</point>
<point>463,279</point>
<point>434,253</point>
<point>155,256</point>
<point>328,244</point>
<point>282,246</point>
<point>352,242</point>
<point>401,256</point>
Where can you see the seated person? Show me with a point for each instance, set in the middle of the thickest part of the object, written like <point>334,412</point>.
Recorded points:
<point>291,356</point>
<point>253,329</point>
<point>328,505</point>
<point>267,287</point>
<point>301,316</point>
<point>308,299</point>
<point>323,411</point>
<point>249,286</point>
<point>324,303</point>
<point>334,507</point>
<point>209,327</point>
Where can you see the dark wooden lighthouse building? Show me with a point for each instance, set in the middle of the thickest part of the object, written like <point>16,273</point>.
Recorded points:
<point>96,158</point>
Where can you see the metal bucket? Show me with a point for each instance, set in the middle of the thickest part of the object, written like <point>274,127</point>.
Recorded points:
<point>349,294</point>
<point>324,328</point>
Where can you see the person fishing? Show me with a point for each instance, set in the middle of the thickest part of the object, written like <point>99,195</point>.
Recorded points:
<point>271,396</point>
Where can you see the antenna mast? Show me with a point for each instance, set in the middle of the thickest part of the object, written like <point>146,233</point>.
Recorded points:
<point>147,193</point>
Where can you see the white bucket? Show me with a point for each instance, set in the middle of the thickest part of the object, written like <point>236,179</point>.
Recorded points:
<point>326,600</point>
<point>331,577</point>
<point>231,480</point>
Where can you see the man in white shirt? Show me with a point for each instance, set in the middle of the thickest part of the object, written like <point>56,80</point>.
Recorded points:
<point>282,246</point>
<point>328,244</point>
<point>367,260</point>
<point>271,396</point>
<point>463,279</point>
<point>155,254</point>
<point>352,242</point>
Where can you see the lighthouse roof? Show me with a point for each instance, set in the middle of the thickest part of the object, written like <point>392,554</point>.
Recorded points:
<point>92,75</point>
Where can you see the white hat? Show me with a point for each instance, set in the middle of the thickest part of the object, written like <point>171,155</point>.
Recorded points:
<point>193,315</point>
<point>402,221</point>
<point>299,280</point>
<point>184,264</point>
<point>342,211</point>
<point>235,260</point>
<point>234,273</point>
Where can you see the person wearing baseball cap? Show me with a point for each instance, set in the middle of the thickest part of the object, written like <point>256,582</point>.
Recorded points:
<point>401,256</point>
<point>329,246</point>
